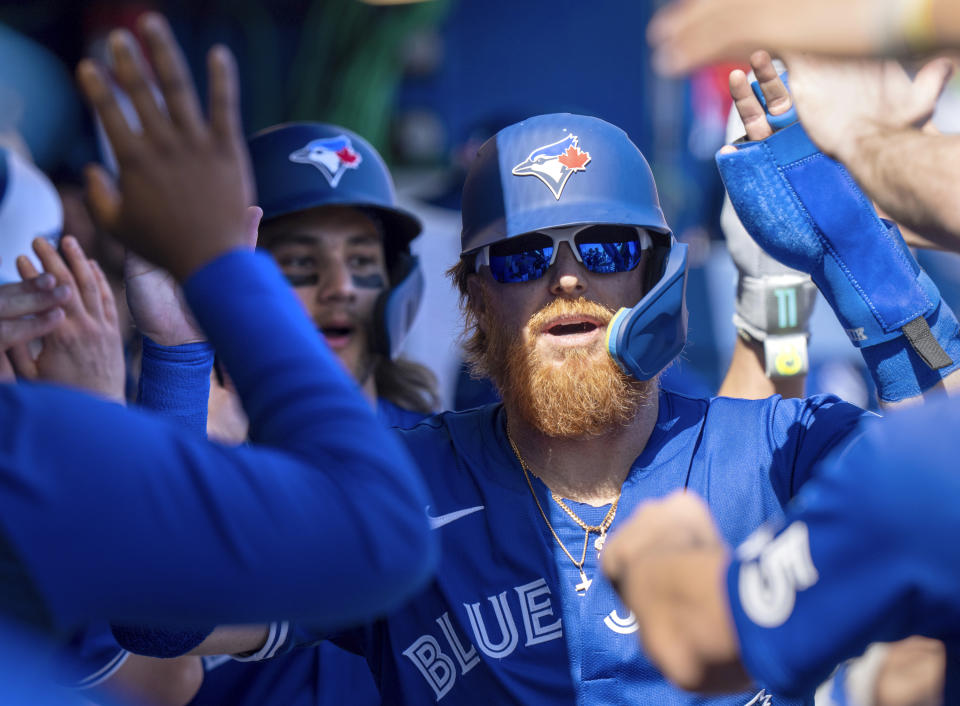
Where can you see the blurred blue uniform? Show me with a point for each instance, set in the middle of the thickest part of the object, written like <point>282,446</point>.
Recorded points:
<point>502,622</point>
<point>106,512</point>
<point>867,552</point>
<point>324,675</point>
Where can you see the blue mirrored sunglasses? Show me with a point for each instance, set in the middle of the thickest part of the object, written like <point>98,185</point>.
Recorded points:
<point>600,248</point>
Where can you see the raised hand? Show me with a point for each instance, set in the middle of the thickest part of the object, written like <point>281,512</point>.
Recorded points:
<point>841,101</point>
<point>156,302</point>
<point>28,310</point>
<point>85,348</point>
<point>688,34</point>
<point>667,563</point>
<point>184,181</point>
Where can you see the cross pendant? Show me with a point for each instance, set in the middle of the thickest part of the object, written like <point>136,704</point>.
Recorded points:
<point>584,583</point>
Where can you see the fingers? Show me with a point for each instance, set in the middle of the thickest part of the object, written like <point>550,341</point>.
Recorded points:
<point>54,264</point>
<point>98,92</point>
<point>931,80</point>
<point>253,216</point>
<point>132,77</point>
<point>6,369</point>
<point>28,271</point>
<point>108,302</point>
<point>774,92</point>
<point>172,74</point>
<point>83,275</point>
<point>224,96</point>
<point>24,366</point>
<point>751,112</point>
<point>35,295</point>
<point>17,331</point>
<point>675,35</point>
<point>103,197</point>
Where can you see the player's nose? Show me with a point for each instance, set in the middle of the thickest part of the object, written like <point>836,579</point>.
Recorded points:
<point>336,281</point>
<point>567,276</point>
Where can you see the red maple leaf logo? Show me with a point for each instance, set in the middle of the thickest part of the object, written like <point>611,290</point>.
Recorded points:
<point>574,159</point>
<point>347,156</point>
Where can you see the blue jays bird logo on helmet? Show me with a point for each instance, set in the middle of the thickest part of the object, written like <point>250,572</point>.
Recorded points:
<point>333,156</point>
<point>554,163</point>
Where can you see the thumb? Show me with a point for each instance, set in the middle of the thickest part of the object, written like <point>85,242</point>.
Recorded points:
<point>134,265</point>
<point>252,224</point>
<point>929,84</point>
<point>103,197</point>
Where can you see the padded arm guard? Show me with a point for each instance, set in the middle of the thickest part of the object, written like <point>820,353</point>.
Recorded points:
<point>805,210</point>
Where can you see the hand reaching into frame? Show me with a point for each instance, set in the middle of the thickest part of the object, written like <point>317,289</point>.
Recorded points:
<point>841,101</point>
<point>668,564</point>
<point>156,302</point>
<point>28,310</point>
<point>688,34</point>
<point>184,181</point>
<point>85,349</point>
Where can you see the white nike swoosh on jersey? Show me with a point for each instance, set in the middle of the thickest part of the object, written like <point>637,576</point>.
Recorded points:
<point>441,520</point>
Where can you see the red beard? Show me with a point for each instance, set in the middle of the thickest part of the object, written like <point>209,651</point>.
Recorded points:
<point>585,395</point>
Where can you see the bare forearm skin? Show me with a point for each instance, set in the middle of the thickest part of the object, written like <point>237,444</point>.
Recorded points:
<point>746,377</point>
<point>914,177</point>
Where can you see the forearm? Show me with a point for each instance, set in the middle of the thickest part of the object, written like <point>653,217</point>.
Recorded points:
<point>746,377</point>
<point>784,585</point>
<point>233,639</point>
<point>914,177</point>
<point>160,526</point>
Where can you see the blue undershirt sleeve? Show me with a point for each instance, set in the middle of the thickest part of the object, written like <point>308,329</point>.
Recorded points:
<point>175,382</point>
<point>865,554</point>
<point>116,514</point>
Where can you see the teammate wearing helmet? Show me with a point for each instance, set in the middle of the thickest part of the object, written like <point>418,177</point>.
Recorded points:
<point>331,222</point>
<point>573,291</point>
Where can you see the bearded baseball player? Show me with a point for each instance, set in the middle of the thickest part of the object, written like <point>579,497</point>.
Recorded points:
<point>573,292</point>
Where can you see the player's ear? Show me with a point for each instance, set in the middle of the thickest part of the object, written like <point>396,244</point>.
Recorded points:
<point>475,294</point>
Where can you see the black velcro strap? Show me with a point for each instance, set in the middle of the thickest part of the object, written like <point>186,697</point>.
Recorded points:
<point>921,338</point>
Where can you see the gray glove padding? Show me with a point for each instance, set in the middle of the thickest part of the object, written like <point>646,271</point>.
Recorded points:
<point>774,302</point>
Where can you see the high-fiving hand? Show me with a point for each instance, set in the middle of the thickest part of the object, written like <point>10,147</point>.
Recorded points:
<point>668,564</point>
<point>184,181</point>
<point>85,348</point>
<point>28,310</point>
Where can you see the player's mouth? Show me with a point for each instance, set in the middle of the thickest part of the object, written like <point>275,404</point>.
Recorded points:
<point>573,330</point>
<point>338,334</point>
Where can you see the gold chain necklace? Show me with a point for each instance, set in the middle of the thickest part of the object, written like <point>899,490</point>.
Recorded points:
<point>600,529</point>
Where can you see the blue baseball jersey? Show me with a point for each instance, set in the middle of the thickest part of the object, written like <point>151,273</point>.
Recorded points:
<point>503,621</point>
<point>90,657</point>
<point>869,548</point>
<point>111,513</point>
<point>323,675</point>
<point>27,676</point>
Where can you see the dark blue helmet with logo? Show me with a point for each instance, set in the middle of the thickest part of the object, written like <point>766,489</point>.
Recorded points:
<point>563,170</point>
<point>301,166</point>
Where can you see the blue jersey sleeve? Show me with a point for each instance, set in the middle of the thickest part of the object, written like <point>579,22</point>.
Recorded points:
<point>803,432</point>
<point>112,513</point>
<point>90,657</point>
<point>867,552</point>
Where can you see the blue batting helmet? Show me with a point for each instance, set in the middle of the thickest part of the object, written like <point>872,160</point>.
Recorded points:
<point>562,170</point>
<point>300,166</point>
